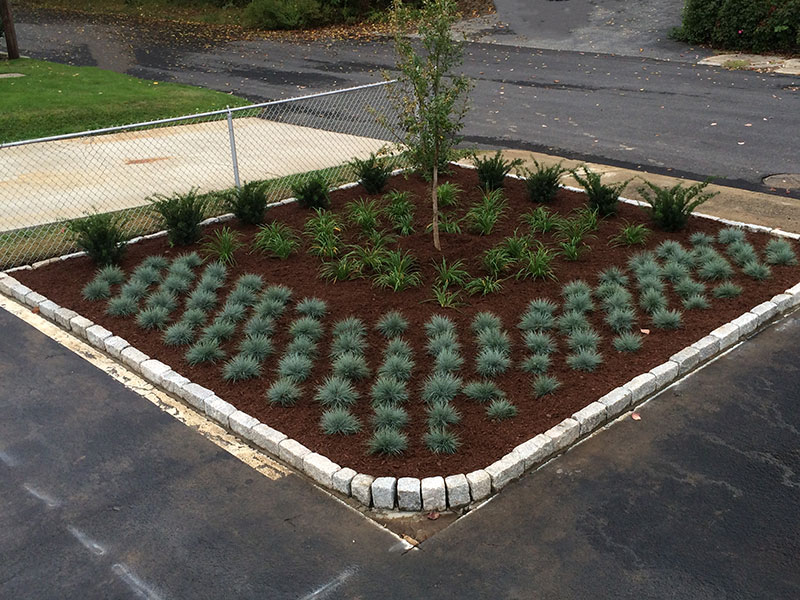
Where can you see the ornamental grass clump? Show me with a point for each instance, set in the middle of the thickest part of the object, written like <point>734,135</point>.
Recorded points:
<point>162,299</point>
<point>583,339</point>
<point>584,360</point>
<point>388,391</point>
<point>295,367</point>
<point>219,330</point>
<point>349,326</point>
<point>578,302</point>
<point>441,388</point>
<point>152,318</point>
<point>336,392</point>
<point>667,319</point>
<point>387,441</point>
<point>350,366</point>
<point>347,342</point>
<point>283,392</point>
<point>96,289</point>
<point>392,324</point>
<point>111,274</point>
<point>278,293</point>
<point>179,334</point>
<point>539,342</point>
<point>447,361</point>
<point>756,270</point>
<point>652,300</point>
<point>389,416</point>
<point>674,271</point>
<point>780,252</point>
<point>701,239</point>
<point>442,441</point>
<point>544,385</point>
<point>257,346</point>
<point>572,321</point>
<point>537,363</point>
<point>204,351</point>
<point>483,391</point>
<point>241,368</point>
<point>312,307</point>
<point>397,347</point>
<point>501,410</point>
<point>176,284</point>
<point>627,342</point>
<point>302,345</point>
<point>243,296</point>
<point>307,327</point>
<point>439,324</point>
<point>715,268</point>
<point>696,302</point>
<point>730,235</point>
<point>442,414</point>
<point>259,325</point>
<point>339,421</point>
<point>621,319</point>
<point>233,312</point>
<point>687,287</point>
<point>742,253</point>
<point>396,366</point>
<point>491,362</point>
<point>536,320</point>
<point>612,275</point>
<point>269,308</point>
<point>201,299</point>
<point>194,317</point>
<point>145,276</point>
<point>122,306</point>
<point>277,240</point>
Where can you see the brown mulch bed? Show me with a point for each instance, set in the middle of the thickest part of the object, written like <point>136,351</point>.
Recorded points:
<point>483,441</point>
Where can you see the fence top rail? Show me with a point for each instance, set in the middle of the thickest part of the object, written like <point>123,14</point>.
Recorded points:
<point>224,111</point>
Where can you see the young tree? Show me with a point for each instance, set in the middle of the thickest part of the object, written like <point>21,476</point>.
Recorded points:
<point>430,100</point>
<point>7,30</point>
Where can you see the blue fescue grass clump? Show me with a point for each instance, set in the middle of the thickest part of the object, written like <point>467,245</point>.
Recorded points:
<point>396,366</point>
<point>730,235</point>
<point>349,326</point>
<point>688,287</point>
<point>194,317</point>
<point>701,239</point>
<point>398,347</point>
<point>696,302</point>
<point>442,441</point>
<point>162,299</point>
<point>243,296</point>
<point>726,289</point>
<point>627,342</point>
<point>176,284</point>
<point>96,289</point>
<point>204,300</point>
<point>579,302</point>
<point>447,361</point>
<point>613,275</point>
<point>388,391</point>
<point>742,253</point>
<point>494,339</point>
<point>302,345</point>
<point>583,339</point>
<point>483,391</point>
<point>347,342</point>
<point>576,286</point>
<point>388,416</point>
<point>544,385</point>
<point>312,307</point>
<point>122,306</point>
<point>339,421</point>
<point>350,366</point>
<point>536,363</point>
<point>715,268</point>
<point>651,283</point>
<point>258,325</point>
<point>491,362</point>
<point>584,360</point>
<point>652,301</point>
<point>336,392</point>
<point>233,312</point>
<point>152,318</point>
<point>295,367</point>
<point>440,387</point>
<point>619,299</point>
<point>501,410</point>
<point>157,262</point>
<point>279,293</point>
<point>443,341</point>
<point>306,326</point>
<point>135,290</point>
<point>145,276</point>
<point>621,319</point>
<point>250,281</point>
<point>442,414</point>
<point>536,321</point>
<point>269,307</point>
<point>219,330</point>
<point>387,441</point>
<point>674,271</point>
<point>257,346</point>
<point>204,351</point>
<point>667,319</point>
<point>539,342</point>
<point>439,325</point>
<point>392,324</point>
<point>485,321</point>
<point>571,321</point>
<point>179,334</point>
<point>283,392</point>
<point>240,368</point>
<point>111,274</point>
<point>756,270</point>
<point>780,252</point>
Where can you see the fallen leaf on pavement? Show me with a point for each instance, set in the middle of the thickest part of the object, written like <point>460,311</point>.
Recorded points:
<point>433,515</point>
<point>636,417</point>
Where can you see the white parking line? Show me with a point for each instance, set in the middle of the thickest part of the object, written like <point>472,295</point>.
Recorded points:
<point>139,587</point>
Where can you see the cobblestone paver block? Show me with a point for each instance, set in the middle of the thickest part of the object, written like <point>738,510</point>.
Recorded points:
<point>434,495</point>
<point>480,485</point>
<point>687,359</point>
<point>320,468</point>
<point>361,488</point>
<point>292,453</point>
<point>457,490</point>
<point>34,299</point>
<point>267,438</point>
<point>173,382</point>
<point>727,335</point>
<point>195,395</point>
<point>63,317</point>
<point>241,423</point>
<point>783,302</point>
<point>218,409</point>
<point>19,291</point>
<point>535,450</point>
<point>153,370</point>
<point>563,434</point>
<point>342,479</point>
<point>133,357</point>
<point>409,494</point>
<point>114,345</point>
<point>79,325</point>
<point>383,492</point>
<point>590,417</point>
<point>765,311</point>
<point>665,374</point>
<point>747,323</point>
<point>97,335</point>
<point>641,386</point>
<point>48,309</point>
<point>707,347</point>
<point>505,470</point>
<point>616,401</point>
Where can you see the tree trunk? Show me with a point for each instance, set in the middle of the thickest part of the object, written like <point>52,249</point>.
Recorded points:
<point>435,205</point>
<point>8,27</point>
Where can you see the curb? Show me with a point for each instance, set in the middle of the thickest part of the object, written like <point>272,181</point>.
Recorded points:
<point>409,493</point>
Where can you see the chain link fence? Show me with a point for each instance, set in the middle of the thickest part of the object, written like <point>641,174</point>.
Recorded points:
<point>46,182</point>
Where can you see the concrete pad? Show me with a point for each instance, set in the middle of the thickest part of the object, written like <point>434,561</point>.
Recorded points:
<point>65,179</point>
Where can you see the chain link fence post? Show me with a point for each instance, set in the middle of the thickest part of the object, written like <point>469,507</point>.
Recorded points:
<point>234,158</point>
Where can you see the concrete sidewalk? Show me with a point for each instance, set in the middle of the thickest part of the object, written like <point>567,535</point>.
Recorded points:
<point>52,181</point>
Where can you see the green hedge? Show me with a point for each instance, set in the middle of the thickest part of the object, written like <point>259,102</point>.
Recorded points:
<point>746,25</point>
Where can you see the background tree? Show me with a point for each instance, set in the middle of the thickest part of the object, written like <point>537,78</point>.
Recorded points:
<point>7,28</point>
<point>430,100</point>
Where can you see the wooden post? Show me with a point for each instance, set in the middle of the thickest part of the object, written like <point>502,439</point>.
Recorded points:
<point>8,27</point>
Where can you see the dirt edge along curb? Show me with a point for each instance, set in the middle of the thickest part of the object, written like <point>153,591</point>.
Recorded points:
<point>408,494</point>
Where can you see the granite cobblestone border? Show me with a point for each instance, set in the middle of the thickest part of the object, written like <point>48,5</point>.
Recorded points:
<point>410,494</point>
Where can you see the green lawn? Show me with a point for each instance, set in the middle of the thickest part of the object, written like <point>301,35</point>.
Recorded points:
<point>52,99</point>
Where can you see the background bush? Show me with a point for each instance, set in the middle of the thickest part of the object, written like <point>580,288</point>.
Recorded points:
<point>751,25</point>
